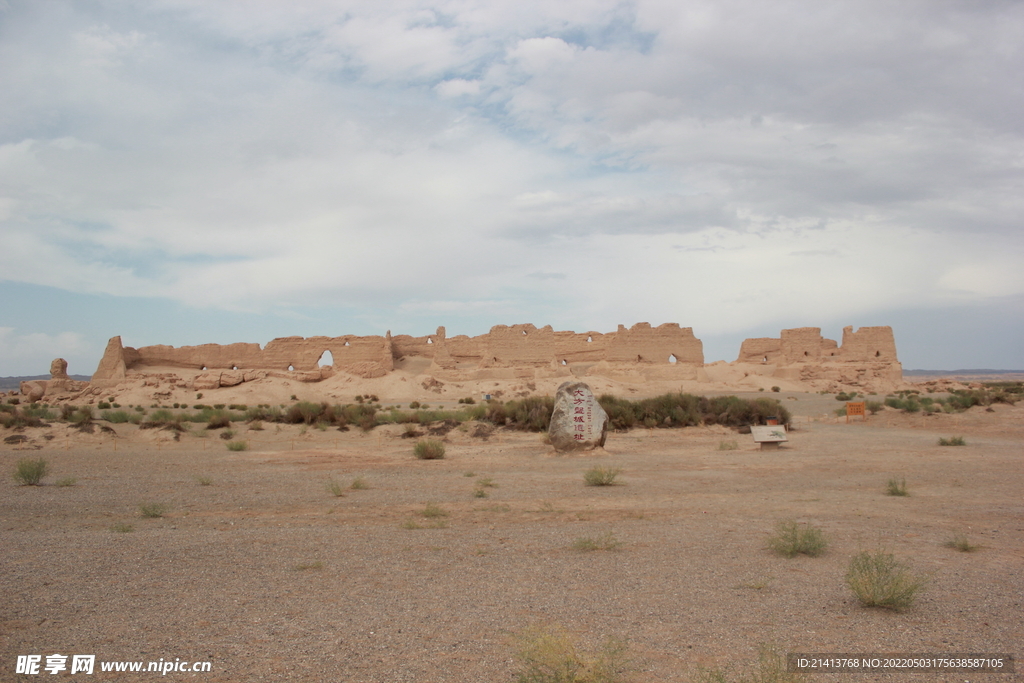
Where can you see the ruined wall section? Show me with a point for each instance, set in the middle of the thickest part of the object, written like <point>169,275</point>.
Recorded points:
<point>518,346</point>
<point>876,344</point>
<point>866,358</point>
<point>644,344</point>
<point>760,350</point>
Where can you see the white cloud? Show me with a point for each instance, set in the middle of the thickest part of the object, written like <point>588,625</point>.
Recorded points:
<point>689,162</point>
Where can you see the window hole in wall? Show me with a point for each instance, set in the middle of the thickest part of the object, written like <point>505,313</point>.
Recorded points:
<point>429,340</point>
<point>672,358</point>
<point>291,368</point>
<point>347,344</point>
<point>590,339</point>
<point>234,367</point>
<point>326,358</point>
<point>563,362</point>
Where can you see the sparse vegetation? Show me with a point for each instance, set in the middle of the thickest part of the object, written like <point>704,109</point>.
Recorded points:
<point>29,472</point>
<point>335,489</point>
<point>728,445</point>
<point>359,484</point>
<point>879,580</point>
<point>776,389</point>
<point>153,510</point>
<point>434,511</point>
<point>960,542</point>
<point>600,476</point>
<point>952,441</point>
<point>204,480</point>
<point>238,445</point>
<point>873,406</point>
<point>605,541</point>
<point>896,487</point>
<point>67,481</point>
<point>429,449</point>
<point>551,655</point>
<point>122,528</point>
<point>771,668</point>
<point>309,566</point>
<point>791,539</point>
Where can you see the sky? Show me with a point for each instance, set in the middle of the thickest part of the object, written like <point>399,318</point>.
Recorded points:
<point>185,171</point>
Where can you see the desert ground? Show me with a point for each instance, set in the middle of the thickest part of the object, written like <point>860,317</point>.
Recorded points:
<point>260,569</point>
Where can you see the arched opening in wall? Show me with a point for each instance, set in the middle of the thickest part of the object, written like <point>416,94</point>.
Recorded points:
<point>672,358</point>
<point>291,368</point>
<point>326,358</point>
<point>590,339</point>
<point>563,362</point>
<point>204,368</point>
<point>766,359</point>
<point>429,340</point>
<point>347,344</point>
<point>524,333</point>
<point>234,367</point>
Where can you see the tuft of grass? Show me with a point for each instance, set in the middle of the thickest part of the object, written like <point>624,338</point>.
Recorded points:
<point>605,541</point>
<point>792,539</point>
<point>429,449</point>
<point>434,511</point>
<point>879,580</point>
<point>960,542</point>
<point>486,482</point>
<point>237,446</point>
<point>600,476</point>
<point>728,445</point>
<point>335,488</point>
<point>359,484</point>
<point>952,441</point>
<point>309,566</point>
<point>122,528</point>
<point>550,655</point>
<point>29,472</point>
<point>771,668</point>
<point>153,510</point>
<point>896,487</point>
<point>204,480</point>
<point>479,493</point>
<point>67,481</point>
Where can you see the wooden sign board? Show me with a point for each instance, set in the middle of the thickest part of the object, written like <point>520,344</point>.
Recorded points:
<point>856,408</point>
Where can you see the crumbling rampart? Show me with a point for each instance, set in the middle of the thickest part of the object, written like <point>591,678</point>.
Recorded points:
<point>636,354</point>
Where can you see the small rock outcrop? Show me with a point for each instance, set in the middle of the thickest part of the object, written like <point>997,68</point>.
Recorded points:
<point>578,422</point>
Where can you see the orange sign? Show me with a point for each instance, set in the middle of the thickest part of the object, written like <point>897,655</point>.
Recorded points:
<point>856,408</point>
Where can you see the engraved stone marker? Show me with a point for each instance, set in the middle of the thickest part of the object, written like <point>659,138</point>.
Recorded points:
<point>578,421</point>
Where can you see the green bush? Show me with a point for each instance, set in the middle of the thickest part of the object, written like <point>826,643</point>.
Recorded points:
<point>952,441</point>
<point>429,449</point>
<point>896,487</point>
<point>605,541</point>
<point>878,580</point>
<point>117,416</point>
<point>237,446</point>
<point>30,472</point>
<point>600,476</point>
<point>153,510</point>
<point>550,655</point>
<point>792,539</point>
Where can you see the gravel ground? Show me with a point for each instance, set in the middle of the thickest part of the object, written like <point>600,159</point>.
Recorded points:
<point>260,570</point>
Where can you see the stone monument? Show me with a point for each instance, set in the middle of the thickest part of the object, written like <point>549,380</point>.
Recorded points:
<point>578,422</point>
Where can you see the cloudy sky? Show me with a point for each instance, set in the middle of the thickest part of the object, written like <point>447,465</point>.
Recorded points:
<point>188,171</point>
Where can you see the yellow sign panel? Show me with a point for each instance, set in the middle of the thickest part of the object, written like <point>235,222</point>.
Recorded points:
<point>856,408</point>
